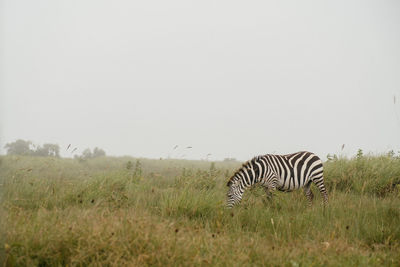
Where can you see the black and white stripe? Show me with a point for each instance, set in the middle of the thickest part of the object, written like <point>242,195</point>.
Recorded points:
<point>282,172</point>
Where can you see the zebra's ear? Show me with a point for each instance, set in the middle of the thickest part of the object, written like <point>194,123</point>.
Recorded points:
<point>229,183</point>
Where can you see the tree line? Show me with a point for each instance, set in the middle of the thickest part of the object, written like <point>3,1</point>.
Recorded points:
<point>23,147</point>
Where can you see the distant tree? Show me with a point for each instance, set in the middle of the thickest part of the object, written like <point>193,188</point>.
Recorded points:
<point>87,154</point>
<point>22,147</point>
<point>98,152</point>
<point>47,150</point>
<point>229,159</point>
<point>19,147</point>
<point>53,149</point>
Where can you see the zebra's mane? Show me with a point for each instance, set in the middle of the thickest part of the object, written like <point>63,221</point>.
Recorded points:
<point>245,164</point>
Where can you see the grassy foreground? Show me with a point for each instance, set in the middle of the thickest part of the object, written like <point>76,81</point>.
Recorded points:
<point>107,211</point>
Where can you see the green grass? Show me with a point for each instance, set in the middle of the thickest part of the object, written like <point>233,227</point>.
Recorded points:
<point>97,212</point>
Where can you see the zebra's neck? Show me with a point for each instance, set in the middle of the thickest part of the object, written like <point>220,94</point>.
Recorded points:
<point>251,172</point>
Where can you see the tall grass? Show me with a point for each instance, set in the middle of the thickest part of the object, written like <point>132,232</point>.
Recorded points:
<point>103,212</point>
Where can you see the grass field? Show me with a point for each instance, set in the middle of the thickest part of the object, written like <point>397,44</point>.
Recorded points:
<point>118,211</point>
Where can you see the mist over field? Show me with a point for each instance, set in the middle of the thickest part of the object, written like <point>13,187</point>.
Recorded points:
<point>124,124</point>
<point>229,79</point>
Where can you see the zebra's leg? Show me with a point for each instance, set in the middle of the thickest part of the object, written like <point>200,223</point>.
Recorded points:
<point>309,194</point>
<point>271,188</point>
<point>319,182</point>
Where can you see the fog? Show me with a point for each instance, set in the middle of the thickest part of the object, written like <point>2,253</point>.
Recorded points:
<point>227,78</point>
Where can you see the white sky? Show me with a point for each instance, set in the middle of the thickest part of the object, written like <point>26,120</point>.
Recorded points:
<point>230,78</point>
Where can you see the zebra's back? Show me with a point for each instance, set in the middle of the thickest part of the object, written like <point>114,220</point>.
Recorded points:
<point>295,170</point>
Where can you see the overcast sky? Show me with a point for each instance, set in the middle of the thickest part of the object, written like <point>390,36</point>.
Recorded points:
<point>230,78</point>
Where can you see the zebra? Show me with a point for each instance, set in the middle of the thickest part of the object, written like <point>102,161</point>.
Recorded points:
<point>283,172</point>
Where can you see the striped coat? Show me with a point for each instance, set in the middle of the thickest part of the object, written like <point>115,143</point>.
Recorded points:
<point>282,172</point>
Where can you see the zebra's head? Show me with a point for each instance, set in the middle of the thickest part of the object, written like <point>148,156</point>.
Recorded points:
<point>233,196</point>
<point>245,177</point>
